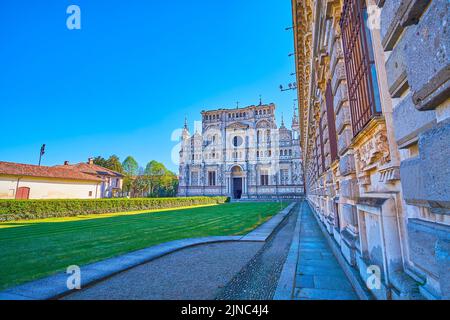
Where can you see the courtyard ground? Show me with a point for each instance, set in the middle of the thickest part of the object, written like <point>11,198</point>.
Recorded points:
<point>35,249</point>
<point>235,270</point>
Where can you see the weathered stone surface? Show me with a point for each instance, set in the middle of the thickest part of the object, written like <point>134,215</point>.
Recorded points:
<point>338,75</point>
<point>443,264</point>
<point>390,28</point>
<point>342,118</point>
<point>409,122</point>
<point>396,69</point>
<point>349,213</point>
<point>344,140</point>
<point>428,56</point>
<point>349,188</point>
<point>340,96</point>
<point>425,179</point>
<point>347,164</point>
<point>396,15</point>
<point>423,237</point>
<point>434,151</point>
<point>337,55</point>
<point>412,10</point>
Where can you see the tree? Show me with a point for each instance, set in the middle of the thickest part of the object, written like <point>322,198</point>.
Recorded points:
<point>162,182</point>
<point>130,167</point>
<point>139,186</point>
<point>154,171</point>
<point>100,161</point>
<point>114,164</point>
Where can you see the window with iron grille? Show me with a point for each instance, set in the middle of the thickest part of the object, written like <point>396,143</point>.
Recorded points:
<point>359,64</point>
<point>321,148</point>
<point>331,122</point>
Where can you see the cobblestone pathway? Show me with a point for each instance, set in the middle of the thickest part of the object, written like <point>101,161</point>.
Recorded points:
<point>258,279</point>
<point>319,275</point>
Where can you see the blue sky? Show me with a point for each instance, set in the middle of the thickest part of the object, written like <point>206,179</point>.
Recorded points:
<point>125,81</point>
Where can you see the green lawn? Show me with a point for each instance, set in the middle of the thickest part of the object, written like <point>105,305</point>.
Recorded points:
<point>34,249</point>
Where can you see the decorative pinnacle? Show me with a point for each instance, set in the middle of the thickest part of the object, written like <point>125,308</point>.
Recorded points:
<point>282,120</point>
<point>185,123</point>
<point>260,100</point>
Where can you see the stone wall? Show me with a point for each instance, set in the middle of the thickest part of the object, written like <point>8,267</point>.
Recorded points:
<point>386,199</point>
<point>415,40</point>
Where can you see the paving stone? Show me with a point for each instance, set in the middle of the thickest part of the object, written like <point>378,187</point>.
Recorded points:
<point>321,263</point>
<point>332,283</point>
<point>319,275</point>
<point>314,270</point>
<point>310,255</point>
<point>323,294</point>
<point>304,281</point>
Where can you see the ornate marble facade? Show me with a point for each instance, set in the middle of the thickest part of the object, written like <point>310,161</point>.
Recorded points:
<point>242,154</point>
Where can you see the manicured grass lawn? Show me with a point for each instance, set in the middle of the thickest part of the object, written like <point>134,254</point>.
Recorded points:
<point>33,249</point>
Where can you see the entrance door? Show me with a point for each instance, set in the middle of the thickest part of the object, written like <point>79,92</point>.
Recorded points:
<point>237,188</point>
<point>23,193</point>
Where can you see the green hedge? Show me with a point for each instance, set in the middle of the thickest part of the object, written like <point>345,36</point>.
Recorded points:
<point>11,210</point>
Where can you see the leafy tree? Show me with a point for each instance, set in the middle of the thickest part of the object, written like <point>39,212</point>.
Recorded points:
<point>154,181</point>
<point>154,171</point>
<point>114,164</point>
<point>127,185</point>
<point>162,182</point>
<point>100,161</point>
<point>139,186</point>
<point>130,167</point>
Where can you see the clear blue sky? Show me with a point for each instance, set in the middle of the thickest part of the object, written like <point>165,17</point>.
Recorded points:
<point>125,81</point>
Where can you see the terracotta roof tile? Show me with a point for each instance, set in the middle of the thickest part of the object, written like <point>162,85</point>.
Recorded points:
<point>93,169</point>
<point>58,172</point>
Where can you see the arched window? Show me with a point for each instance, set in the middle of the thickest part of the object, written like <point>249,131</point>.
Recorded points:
<point>290,152</point>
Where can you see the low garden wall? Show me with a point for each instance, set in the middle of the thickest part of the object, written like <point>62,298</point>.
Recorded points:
<point>11,210</point>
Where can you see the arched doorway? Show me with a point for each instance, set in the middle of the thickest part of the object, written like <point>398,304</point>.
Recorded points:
<point>237,179</point>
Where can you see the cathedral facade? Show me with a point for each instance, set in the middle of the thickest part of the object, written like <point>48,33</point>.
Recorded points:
<point>241,153</point>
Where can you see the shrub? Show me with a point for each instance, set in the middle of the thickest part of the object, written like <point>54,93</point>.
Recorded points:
<point>11,210</point>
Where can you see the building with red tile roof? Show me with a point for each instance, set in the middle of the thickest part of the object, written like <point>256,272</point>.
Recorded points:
<point>79,181</point>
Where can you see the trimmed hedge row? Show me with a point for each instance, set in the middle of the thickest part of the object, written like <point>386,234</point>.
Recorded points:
<point>11,210</point>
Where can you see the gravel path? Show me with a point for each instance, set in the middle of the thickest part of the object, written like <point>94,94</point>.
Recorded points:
<point>259,279</point>
<point>194,273</point>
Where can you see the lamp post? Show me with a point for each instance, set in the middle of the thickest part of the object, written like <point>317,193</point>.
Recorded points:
<point>41,153</point>
<point>291,86</point>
